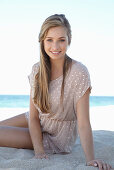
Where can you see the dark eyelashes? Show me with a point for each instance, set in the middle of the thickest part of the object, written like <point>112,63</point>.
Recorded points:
<point>49,40</point>
<point>52,40</point>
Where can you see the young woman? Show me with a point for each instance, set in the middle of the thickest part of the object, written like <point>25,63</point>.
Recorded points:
<point>59,100</point>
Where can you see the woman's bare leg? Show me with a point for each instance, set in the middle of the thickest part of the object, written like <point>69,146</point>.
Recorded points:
<point>14,133</point>
<point>15,137</point>
<point>17,121</point>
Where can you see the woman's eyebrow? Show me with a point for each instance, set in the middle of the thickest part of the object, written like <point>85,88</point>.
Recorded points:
<point>62,37</point>
<point>58,38</point>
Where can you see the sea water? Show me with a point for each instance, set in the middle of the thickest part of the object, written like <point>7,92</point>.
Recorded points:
<point>22,101</point>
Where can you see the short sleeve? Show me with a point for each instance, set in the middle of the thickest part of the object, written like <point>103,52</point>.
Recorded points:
<point>31,76</point>
<point>82,82</point>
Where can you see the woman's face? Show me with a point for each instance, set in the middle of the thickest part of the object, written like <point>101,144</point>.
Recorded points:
<point>56,42</point>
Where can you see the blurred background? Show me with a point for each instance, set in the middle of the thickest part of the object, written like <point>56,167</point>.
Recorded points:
<point>92,24</point>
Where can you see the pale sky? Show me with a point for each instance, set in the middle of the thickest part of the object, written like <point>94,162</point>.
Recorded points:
<point>92,23</point>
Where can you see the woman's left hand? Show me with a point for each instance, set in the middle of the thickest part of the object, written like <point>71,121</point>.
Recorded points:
<point>100,164</point>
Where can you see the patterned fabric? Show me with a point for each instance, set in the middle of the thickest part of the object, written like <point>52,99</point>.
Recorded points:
<point>59,128</point>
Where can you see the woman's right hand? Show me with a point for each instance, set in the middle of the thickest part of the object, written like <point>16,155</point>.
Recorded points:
<point>41,156</point>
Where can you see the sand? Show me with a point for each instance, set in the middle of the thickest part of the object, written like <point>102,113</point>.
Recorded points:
<point>103,134</point>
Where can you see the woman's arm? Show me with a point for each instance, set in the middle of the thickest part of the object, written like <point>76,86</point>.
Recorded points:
<point>84,127</point>
<point>35,129</point>
<point>85,132</point>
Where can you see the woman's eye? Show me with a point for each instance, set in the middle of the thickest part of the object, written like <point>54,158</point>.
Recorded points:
<point>49,40</point>
<point>62,40</point>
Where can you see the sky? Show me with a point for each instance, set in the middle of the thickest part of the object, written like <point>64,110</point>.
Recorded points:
<point>92,24</point>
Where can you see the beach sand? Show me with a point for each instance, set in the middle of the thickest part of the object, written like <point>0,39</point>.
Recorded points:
<point>103,134</point>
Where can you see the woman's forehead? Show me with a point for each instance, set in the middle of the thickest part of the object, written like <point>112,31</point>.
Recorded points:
<point>57,32</point>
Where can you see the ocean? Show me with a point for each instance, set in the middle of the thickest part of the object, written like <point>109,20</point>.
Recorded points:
<point>22,101</point>
<point>101,109</point>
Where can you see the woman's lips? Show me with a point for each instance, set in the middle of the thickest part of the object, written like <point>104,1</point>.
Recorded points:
<point>55,52</point>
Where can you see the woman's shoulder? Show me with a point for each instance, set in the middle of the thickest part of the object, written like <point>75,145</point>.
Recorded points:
<point>79,67</point>
<point>35,67</point>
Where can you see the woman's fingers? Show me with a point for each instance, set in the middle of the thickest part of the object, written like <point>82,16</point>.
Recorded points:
<point>108,167</point>
<point>103,166</point>
<point>46,157</point>
<point>100,164</point>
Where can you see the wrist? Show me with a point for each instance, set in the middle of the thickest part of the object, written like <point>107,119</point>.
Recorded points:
<point>90,159</point>
<point>92,163</point>
<point>88,162</point>
<point>39,151</point>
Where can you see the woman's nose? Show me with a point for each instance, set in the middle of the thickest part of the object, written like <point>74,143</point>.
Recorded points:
<point>55,46</point>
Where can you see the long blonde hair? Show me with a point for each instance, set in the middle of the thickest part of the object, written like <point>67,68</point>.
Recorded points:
<point>42,78</point>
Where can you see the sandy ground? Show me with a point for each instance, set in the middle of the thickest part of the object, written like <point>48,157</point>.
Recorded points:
<point>102,119</point>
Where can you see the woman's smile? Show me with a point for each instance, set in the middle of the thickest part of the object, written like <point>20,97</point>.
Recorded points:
<point>55,52</point>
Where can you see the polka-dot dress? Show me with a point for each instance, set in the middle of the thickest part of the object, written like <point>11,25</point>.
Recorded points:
<point>59,128</point>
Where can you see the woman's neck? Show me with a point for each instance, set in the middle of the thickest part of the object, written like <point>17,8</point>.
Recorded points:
<point>57,65</point>
<point>56,69</point>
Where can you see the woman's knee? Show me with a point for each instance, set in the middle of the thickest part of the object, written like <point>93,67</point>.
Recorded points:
<point>17,121</point>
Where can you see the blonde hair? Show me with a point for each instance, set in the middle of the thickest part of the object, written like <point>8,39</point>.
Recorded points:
<point>42,78</point>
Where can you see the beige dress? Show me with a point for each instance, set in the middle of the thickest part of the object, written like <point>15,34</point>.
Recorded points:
<point>59,128</point>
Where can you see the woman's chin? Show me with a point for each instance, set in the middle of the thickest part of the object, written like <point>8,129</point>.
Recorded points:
<point>56,57</point>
